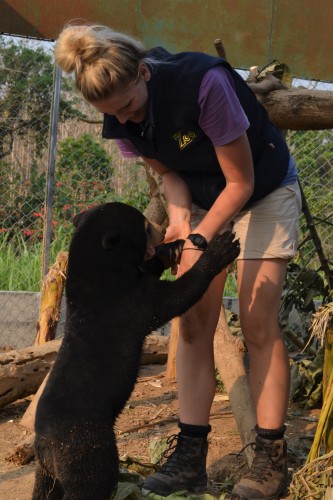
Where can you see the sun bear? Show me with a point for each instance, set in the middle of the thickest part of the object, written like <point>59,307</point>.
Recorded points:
<point>113,303</point>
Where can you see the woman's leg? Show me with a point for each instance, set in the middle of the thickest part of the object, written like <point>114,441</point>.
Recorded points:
<point>195,356</point>
<point>260,284</point>
<point>185,468</point>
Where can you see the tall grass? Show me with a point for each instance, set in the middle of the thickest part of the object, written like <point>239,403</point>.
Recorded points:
<point>21,260</point>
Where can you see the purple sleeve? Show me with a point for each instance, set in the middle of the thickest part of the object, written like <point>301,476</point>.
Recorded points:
<point>127,148</point>
<point>222,117</point>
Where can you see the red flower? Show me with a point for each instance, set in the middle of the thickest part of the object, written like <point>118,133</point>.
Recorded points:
<point>28,232</point>
<point>3,230</point>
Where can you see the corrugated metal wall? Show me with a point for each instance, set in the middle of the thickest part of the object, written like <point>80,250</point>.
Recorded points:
<point>297,32</point>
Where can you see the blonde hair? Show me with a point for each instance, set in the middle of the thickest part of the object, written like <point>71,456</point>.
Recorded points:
<point>102,59</point>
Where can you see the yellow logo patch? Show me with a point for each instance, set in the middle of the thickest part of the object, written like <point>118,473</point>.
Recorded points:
<point>184,138</point>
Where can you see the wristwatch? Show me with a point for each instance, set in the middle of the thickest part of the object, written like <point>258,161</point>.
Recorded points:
<point>198,240</point>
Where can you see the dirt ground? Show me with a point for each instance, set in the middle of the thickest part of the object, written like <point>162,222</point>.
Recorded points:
<point>150,415</point>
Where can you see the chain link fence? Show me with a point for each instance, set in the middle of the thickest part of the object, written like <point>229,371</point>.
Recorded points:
<point>89,170</point>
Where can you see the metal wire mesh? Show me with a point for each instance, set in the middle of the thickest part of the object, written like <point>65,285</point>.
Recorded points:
<point>88,171</point>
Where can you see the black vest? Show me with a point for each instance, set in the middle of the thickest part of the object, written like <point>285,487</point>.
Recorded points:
<point>172,134</point>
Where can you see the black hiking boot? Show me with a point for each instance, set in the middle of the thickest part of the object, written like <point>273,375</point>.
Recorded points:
<point>267,477</point>
<point>185,468</point>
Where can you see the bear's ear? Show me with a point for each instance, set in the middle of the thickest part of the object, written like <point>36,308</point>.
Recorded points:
<point>110,238</point>
<point>79,218</point>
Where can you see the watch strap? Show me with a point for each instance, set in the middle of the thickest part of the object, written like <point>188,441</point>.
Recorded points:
<point>198,240</point>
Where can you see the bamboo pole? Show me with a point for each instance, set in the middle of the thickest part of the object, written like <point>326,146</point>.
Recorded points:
<point>326,411</point>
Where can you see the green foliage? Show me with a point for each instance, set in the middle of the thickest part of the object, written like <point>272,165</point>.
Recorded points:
<point>135,191</point>
<point>302,287</point>
<point>26,83</point>
<point>307,380</point>
<point>84,173</point>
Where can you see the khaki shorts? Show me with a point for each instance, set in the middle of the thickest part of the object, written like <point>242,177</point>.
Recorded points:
<point>269,228</point>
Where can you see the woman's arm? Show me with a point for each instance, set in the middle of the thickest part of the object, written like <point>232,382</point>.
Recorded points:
<point>179,201</point>
<point>236,164</point>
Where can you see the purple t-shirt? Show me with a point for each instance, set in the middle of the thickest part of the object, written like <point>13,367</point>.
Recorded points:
<point>222,117</point>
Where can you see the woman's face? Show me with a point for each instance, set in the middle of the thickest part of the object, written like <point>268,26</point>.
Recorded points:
<point>129,103</point>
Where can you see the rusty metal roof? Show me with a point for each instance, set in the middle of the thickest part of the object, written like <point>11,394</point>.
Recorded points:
<point>254,32</point>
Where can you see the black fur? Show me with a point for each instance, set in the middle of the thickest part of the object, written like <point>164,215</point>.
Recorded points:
<point>112,305</point>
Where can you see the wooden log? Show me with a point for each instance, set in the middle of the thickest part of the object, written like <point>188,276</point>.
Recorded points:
<point>229,361</point>
<point>289,109</point>
<point>23,371</point>
<point>170,371</point>
<point>299,109</point>
<point>50,304</point>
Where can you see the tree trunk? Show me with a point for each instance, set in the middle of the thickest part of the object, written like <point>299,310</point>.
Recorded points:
<point>28,419</point>
<point>51,296</point>
<point>156,209</point>
<point>173,343</point>
<point>229,360</point>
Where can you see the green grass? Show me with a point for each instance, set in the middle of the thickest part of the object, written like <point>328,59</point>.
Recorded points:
<point>230,289</point>
<point>21,260</point>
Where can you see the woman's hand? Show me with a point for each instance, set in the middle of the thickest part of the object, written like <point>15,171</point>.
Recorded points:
<point>177,232</point>
<point>189,256</point>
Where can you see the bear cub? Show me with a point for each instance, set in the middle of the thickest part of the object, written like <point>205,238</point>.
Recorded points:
<point>113,303</point>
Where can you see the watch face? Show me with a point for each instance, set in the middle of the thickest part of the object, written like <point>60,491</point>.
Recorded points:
<point>198,240</point>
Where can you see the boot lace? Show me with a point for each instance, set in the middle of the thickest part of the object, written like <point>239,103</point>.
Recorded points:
<point>263,464</point>
<point>175,455</point>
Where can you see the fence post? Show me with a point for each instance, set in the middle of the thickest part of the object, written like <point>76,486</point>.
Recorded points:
<point>51,168</point>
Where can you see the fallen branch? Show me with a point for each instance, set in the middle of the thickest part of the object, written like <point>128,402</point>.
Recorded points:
<point>225,413</point>
<point>24,452</point>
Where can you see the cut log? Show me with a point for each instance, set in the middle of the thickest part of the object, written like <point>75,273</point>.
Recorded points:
<point>299,109</point>
<point>22,372</point>
<point>229,361</point>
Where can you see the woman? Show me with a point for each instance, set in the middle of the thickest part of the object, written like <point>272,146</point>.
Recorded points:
<point>197,124</point>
